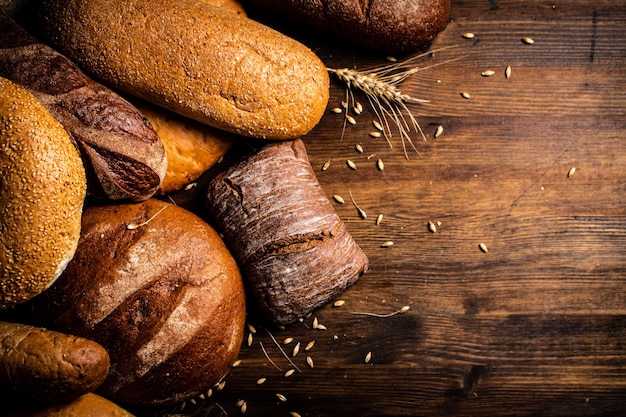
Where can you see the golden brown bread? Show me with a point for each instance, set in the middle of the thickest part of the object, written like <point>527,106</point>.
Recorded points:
<point>397,26</point>
<point>203,62</point>
<point>42,191</point>
<point>88,405</point>
<point>155,285</point>
<point>40,365</point>
<point>191,147</point>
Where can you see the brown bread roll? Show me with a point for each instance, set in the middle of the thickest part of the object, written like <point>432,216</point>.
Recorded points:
<point>232,5</point>
<point>88,405</point>
<point>42,191</point>
<point>122,154</point>
<point>198,60</point>
<point>39,365</point>
<point>397,26</point>
<point>191,147</point>
<point>294,250</point>
<point>155,285</point>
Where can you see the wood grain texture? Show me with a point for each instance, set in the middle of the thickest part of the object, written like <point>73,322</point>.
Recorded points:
<point>535,326</point>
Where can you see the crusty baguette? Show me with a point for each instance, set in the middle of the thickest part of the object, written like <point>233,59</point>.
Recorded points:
<point>397,26</point>
<point>294,251</point>
<point>42,192</point>
<point>201,61</point>
<point>123,156</point>
<point>42,366</point>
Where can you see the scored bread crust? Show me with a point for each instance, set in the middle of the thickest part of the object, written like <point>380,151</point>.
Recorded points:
<point>122,154</point>
<point>156,286</point>
<point>203,62</point>
<point>42,191</point>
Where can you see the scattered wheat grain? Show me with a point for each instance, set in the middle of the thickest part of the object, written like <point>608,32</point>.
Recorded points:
<point>488,73</point>
<point>289,373</point>
<point>358,148</point>
<point>339,199</point>
<point>571,171</point>
<point>465,95</point>
<point>387,244</point>
<point>350,119</point>
<point>296,349</point>
<point>339,303</point>
<point>326,165</point>
<point>351,164</point>
<point>309,361</point>
<point>483,247</point>
<point>507,72</point>
<point>261,381</point>
<point>379,219</point>
<point>310,345</point>
<point>375,134</point>
<point>432,227</point>
<point>368,357</point>
<point>281,397</point>
<point>528,41</point>
<point>439,131</point>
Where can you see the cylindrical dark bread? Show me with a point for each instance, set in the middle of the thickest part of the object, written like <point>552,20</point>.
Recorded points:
<point>397,26</point>
<point>201,61</point>
<point>88,405</point>
<point>40,365</point>
<point>122,154</point>
<point>156,286</point>
<point>294,250</point>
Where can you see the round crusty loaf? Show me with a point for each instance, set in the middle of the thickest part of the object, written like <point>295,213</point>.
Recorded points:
<point>156,286</point>
<point>42,191</point>
<point>40,365</point>
<point>397,26</point>
<point>88,405</point>
<point>191,147</point>
<point>198,60</point>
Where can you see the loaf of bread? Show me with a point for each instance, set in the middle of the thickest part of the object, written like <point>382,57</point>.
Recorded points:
<point>201,61</point>
<point>396,26</point>
<point>294,251</point>
<point>39,365</point>
<point>191,147</point>
<point>42,192</point>
<point>88,405</point>
<point>122,155</point>
<point>156,286</point>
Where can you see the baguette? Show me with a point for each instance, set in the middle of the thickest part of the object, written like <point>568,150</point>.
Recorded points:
<point>395,26</point>
<point>42,366</point>
<point>201,61</point>
<point>121,152</point>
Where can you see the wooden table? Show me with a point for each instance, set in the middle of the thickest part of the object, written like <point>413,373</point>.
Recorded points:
<point>534,326</point>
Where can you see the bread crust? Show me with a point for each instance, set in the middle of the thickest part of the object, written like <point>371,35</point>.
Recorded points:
<point>191,147</point>
<point>88,405</point>
<point>42,191</point>
<point>295,252</point>
<point>203,62</point>
<point>122,154</point>
<point>395,26</point>
<point>41,366</point>
<point>164,297</point>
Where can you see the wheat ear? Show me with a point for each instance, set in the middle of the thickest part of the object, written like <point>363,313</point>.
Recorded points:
<point>381,87</point>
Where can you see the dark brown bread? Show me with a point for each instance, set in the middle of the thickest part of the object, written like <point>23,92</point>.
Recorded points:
<point>39,365</point>
<point>123,156</point>
<point>157,287</point>
<point>397,26</point>
<point>88,405</point>
<point>294,250</point>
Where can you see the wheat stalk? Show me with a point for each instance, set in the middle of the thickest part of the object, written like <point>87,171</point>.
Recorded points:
<point>381,87</point>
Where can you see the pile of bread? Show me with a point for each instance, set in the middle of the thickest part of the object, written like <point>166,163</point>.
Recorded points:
<point>110,294</point>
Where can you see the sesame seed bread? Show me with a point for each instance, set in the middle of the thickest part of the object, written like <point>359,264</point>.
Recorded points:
<point>42,191</point>
<point>198,60</point>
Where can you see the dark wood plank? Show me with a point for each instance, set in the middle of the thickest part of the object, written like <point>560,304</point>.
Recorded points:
<point>535,326</point>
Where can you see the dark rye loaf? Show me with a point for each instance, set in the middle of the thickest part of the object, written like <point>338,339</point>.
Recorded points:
<point>165,299</point>
<point>397,26</point>
<point>295,252</point>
